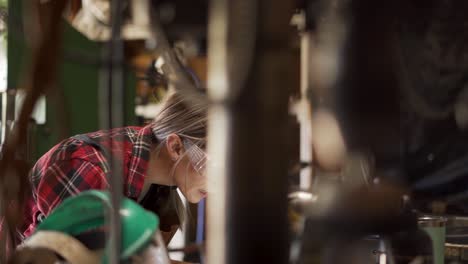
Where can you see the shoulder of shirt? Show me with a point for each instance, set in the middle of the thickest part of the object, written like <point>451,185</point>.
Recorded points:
<point>62,153</point>
<point>72,148</point>
<point>128,133</point>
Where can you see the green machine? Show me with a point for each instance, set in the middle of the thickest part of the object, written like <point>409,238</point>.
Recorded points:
<point>76,105</point>
<point>83,216</point>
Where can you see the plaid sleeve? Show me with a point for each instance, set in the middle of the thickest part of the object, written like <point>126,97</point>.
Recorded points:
<point>67,178</point>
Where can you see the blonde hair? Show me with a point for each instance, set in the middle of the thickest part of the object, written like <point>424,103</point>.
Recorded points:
<point>188,121</point>
<point>180,117</point>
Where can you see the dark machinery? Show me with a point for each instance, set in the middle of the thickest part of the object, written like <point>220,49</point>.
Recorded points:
<point>397,90</point>
<point>388,78</point>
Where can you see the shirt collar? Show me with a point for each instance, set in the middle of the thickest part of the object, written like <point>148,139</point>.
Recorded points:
<point>138,164</point>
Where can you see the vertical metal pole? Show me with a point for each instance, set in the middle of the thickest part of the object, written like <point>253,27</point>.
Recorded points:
<point>305,112</point>
<point>140,12</point>
<point>111,106</point>
<point>218,132</point>
<point>248,137</point>
<point>4,117</point>
<point>8,112</point>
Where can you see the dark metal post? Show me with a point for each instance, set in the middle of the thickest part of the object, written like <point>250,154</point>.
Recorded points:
<point>111,105</point>
<point>252,213</point>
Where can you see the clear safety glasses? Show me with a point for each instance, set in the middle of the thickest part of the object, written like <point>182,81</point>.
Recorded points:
<point>197,156</point>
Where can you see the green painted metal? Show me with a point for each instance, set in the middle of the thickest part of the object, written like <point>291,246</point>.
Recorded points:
<point>78,79</point>
<point>87,211</point>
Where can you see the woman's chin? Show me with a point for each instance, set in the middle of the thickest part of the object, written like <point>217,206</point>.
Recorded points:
<point>195,196</point>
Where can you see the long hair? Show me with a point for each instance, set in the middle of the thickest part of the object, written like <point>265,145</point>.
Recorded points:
<point>177,116</point>
<point>188,121</point>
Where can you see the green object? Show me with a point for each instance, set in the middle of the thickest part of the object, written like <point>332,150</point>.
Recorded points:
<point>78,79</point>
<point>434,226</point>
<point>87,211</point>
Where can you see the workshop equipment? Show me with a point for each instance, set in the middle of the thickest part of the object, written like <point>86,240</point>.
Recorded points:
<point>76,230</point>
<point>456,240</point>
<point>435,228</point>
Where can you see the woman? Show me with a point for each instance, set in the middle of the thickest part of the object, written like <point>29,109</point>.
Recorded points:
<point>164,155</point>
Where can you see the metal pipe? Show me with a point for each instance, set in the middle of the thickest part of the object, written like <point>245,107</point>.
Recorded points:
<point>171,66</point>
<point>247,210</point>
<point>218,132</point>
<point>303,107</point>
<point>111,104</point>
<point>305,119</point>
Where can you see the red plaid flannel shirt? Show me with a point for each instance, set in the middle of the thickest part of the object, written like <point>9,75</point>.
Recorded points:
<point>73,166</point>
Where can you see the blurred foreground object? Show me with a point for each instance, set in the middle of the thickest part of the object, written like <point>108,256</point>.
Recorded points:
<point>75,231</point>
<point>44,40</point>
<point>93,19</point>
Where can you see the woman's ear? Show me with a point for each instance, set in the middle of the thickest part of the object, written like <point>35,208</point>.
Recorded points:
<point>174,146</point>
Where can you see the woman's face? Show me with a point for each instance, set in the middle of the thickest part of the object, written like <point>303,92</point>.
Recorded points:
<point>190,173</point>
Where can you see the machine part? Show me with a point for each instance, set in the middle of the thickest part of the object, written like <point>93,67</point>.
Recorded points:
<point>433,59</point>
<point>42,77</point>
<point>304,106</point>
<point>219,131</point>
<point>100,9</point>
<point>321,135</point>
<point>412,246</point>
<point>456,240</point>
<point>358,170</point>
<point>456,253</point>
<point>384,255</point>
<point>319,72</point>
<point>364,210</point>
<point>169,64</point>
<point>87,211</point>
<point>435,228</point>
<point>94,20</point>
<point>368,250</point>
<point>251,133</point>
<point>328,141</point>
<point>297,201</point>
<point>241,46</point>
<point>111,102</point>
<point>39,255</point>
<point>65,245</point>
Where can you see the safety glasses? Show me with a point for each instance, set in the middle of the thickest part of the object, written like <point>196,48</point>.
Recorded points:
<point>197,156</point>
